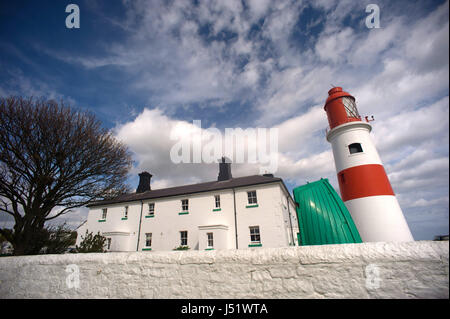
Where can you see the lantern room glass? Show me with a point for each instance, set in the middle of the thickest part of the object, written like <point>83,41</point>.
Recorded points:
<point>350,107</point>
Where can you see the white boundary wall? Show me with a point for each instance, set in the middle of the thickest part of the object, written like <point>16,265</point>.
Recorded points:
<point>369,270</point>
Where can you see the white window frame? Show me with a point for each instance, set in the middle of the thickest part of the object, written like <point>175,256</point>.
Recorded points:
<point>151,212</point>
<point>104,213</point>
<point>185,206</point>
<point>252,200</point>
<point>182,238</point>
<point>217,201</point>
<point>148,237</point>
<point>210,240</point>
<point>255,235</point>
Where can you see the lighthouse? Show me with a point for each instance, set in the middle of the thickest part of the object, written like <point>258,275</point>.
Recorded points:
<point>363,182</point>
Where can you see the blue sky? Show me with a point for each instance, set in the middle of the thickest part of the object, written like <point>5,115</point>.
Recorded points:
<point>144,67</point>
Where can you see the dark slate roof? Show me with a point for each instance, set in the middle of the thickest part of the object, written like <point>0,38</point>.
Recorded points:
<point>191,189</point>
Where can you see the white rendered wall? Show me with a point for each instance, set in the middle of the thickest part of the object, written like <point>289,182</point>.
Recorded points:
<point>123,232</point>
<point>220,237</point>
<point>368,270</point>
<point>270,215</point>
<point>168,223</point>
<point>290,219</point>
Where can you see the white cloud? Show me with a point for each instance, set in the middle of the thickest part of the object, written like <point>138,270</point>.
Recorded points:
<point>428,42</point>
<point>296,133</point>
<point>335,46</point>
<point>20,84</point>
<point>149,137</point>
<point>367,49</point>
<point>292,91</point>
<point>427,203</point>
<point>414,128</point>
<point>258,8</point>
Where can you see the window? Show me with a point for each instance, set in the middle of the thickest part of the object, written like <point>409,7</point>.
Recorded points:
<point>252,198</point>
<point>151,209</point>
<point>148,239</point>
<point>350,107</point>
<point>125,214</point>
<point>183,238</point>
<point>255,237</point>
<point>108,243</point>
<point>184,205</point>
<point>355,148</point>
<point>210,237</point>
<point>217,200</point>
<point>104,211</point>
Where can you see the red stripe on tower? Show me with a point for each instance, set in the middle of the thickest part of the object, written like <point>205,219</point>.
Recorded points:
<point>353,182</point>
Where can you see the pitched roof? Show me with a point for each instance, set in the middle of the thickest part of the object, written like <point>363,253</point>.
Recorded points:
<point>191,189</point>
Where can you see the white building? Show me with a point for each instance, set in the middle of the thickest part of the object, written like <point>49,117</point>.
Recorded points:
<point>230,213</point>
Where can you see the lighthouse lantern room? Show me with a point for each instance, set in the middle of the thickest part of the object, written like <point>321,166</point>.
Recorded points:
<point>363,182</point>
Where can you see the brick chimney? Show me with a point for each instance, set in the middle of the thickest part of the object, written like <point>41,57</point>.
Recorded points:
<point>144,182</point>
<point>224,171</point>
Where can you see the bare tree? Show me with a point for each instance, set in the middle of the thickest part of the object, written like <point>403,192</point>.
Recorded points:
<point>52,155</point>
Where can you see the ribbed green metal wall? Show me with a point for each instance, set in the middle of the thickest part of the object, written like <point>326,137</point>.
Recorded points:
<point>322,216</point>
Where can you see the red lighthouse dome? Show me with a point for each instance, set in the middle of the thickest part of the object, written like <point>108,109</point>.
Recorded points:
<point>340,107</point>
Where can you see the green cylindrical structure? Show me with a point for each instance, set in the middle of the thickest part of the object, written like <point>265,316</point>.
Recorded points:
<point>322,216</point>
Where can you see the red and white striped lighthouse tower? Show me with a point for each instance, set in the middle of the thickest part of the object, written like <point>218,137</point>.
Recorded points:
<point>364,185</point>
